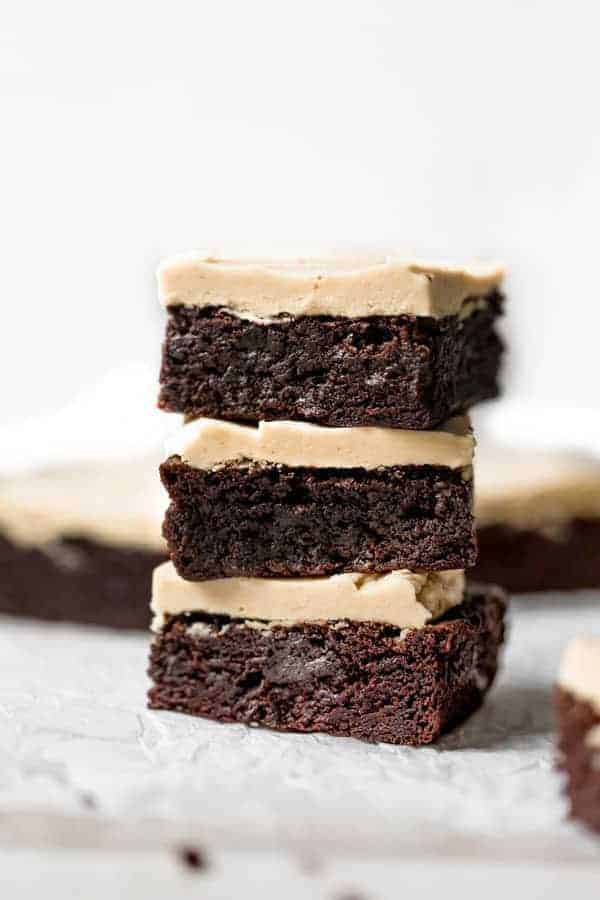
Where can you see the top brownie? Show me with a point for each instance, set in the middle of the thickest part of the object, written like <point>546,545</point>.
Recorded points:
<point>338,342</point>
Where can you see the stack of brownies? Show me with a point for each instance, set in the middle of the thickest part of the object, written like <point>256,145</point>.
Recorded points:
<point>321,493</point>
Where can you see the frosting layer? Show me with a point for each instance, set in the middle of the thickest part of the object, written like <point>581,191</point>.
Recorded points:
<point>579,672</point>
<point>535,490</point>
<point>352,286</point>
<point>206,443</point>
<point>118,504</point>
<point>402,598</point>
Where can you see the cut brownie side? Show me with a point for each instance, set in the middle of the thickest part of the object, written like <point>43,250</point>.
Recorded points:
<point>525,560</point>
<point>77,580</point>
<point>401,371</point>
<point>275,520</point>
<point>580,755</point>
<point>362,680</point>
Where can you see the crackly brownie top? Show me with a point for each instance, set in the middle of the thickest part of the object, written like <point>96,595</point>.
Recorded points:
<point>206,443</point>
<point>402,598</point>
<point>348,286</point>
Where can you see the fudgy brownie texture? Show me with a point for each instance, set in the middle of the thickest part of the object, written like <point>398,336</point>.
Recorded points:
<point>400,371</point>
<point>580,762</point>
<point>529,561</point>
<point>362,680</point>
<point>273,520</point>
<point>78,580</point>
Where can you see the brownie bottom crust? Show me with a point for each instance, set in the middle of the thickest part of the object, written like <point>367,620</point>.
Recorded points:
<point>400,371</point>
<point>277,521</point>
<point>361,680</point>
<point>78,580</point>
<point>579,761</point>
<point>525,561</point>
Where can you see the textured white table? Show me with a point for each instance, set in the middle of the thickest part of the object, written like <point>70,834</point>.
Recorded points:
<point>97,792</point>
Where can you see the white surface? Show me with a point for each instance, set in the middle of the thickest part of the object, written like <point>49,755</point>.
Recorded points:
<point>90,778</point>
<point>143,128</point>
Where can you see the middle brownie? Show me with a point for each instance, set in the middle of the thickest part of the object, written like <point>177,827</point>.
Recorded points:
<point>291,499</point>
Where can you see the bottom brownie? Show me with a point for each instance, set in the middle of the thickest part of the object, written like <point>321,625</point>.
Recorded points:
<point>579,756</point>
<point>77,580</point>
<point>362,680</point>
<point>525,561</point>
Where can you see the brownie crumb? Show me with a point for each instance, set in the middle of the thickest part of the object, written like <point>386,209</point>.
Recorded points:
<point>192,858</point>
<point>310,864</point>
<point>88,800</point>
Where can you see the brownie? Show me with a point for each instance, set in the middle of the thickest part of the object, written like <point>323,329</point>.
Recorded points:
<point>580,762</point>
<point>78,580</point>
<point>401,371</point>
<point>273,520</point>
<point>362,680</point>
<point>524,561</point>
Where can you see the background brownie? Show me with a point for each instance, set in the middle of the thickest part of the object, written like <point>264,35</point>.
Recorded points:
<point>362,680</point>
<point>401,371</point>
<point>78,580</point>
<point>80,542</point>
<point>538,519</point>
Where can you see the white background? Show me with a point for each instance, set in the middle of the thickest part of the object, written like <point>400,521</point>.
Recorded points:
<point>135,129</point>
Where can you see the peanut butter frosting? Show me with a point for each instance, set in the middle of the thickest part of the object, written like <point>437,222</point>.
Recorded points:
<point>208,443</point>
<point>401,598</point>
<point>112,503</point>
<point>535,490</point>
<point>349,286</point>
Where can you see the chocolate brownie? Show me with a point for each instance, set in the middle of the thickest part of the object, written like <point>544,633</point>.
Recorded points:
<point>400,371</point>
<point>79,542</point>
<point>344,341</point>
<point>530,561</point>
<point>538,519</point>
<point>357,679</point>
<point>273,520</point>
<point>577,701</point>
<point>77,580</point>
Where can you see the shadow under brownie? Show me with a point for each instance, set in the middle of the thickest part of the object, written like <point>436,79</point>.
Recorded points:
<point>362,679</point>
<point>293,499</point>
<point>338,343</point>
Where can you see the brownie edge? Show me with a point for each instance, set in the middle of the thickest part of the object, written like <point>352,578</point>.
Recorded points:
<point>362,680</point>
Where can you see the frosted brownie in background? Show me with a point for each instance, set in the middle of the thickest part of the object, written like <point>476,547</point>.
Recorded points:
<point>78,542</point>
<point>366,340</point>
<point>538,519</point>
<point>399,658</point>
<point>577,699</point>
<point>297,499</point>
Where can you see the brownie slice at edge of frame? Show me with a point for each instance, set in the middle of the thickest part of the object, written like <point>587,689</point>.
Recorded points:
<point>579,761</point>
